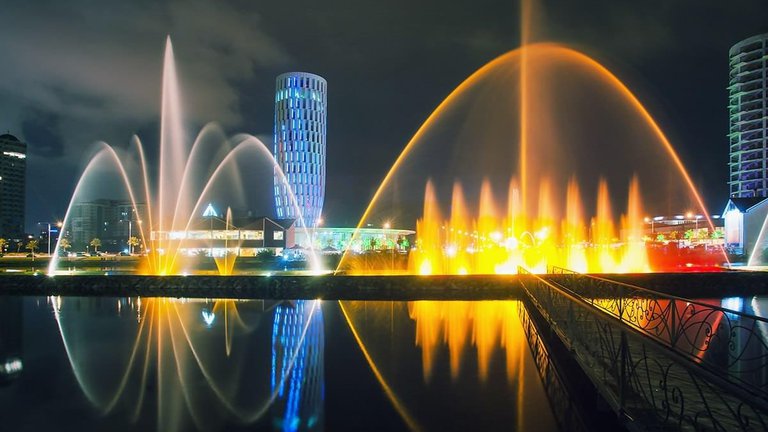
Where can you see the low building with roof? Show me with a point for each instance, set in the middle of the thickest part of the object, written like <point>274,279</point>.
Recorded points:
<point>212,235</point>
<point>339,240</point>
<point>744,219</point>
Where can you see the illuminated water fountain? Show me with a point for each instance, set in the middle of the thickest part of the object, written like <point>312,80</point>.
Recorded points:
<point>541,158</point>
<point>189,176</point>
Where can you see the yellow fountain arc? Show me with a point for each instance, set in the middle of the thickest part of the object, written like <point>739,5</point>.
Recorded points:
<point>602,72</point>
<point>603,234</point>
<point>636,258</point>
<point>486,227</point>
<point>431,226</point>
<point>458,230</point>
<point>467,84</point>
<point>535,52</point>
<point>526,43</point>
<point>574,236</point>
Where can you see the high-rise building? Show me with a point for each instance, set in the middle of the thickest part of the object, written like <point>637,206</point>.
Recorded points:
<point>111,221</point>
<point>300,126</point>
<point>748,108</point>
<point>13,179</point>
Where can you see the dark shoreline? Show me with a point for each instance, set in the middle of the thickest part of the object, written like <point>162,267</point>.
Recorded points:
<point>331,287</point>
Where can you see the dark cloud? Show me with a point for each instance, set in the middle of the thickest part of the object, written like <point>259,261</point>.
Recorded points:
<point>42,128</point>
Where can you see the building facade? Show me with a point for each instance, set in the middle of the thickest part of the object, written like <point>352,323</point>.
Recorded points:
<point>744,219</point>
<point>246,236</point>
<point>112,222</point>
<point>299,147</point>
<point>748,109</point>
<point>13,180</point>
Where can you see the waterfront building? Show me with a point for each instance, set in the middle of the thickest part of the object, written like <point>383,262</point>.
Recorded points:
<point>300,146</point>
<point>338,240</point>
<point>748,108</point>
<point>13,179</point>
<point>212,235</point>
<point>744,219</point>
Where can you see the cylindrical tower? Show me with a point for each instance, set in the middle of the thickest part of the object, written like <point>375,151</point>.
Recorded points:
<point>748,108</point>
<point>300,126</point>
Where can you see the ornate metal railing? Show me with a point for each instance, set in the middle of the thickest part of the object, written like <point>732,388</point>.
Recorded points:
<point>640,376</point>
<point>726,342</point>
<point>567,414</point>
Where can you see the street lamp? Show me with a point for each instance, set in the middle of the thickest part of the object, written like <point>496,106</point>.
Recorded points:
<point>49,238</point>
<point>58,224</point>
<point>697,224</point>
<point>650,221</point>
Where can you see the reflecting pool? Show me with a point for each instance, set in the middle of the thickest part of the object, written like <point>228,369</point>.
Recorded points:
<point>174,364</point>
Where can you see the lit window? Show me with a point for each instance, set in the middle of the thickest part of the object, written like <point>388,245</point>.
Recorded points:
<point>278,235</point>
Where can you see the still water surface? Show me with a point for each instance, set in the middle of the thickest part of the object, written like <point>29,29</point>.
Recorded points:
<point>124,364</point>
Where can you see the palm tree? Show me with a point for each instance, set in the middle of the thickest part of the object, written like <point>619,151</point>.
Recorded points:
<point>64,244</point>
<point>96,243</point>
<point>32,245</point>
<point>132,242</point>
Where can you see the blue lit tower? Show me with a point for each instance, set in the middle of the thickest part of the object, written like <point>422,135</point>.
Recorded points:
<point>300,125</point>
<point>748,109</point>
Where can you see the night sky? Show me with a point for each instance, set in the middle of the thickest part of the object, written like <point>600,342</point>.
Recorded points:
<point>80,71</point>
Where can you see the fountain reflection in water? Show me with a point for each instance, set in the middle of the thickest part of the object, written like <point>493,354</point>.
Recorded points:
<point>199,354</point>
<point>466,350</point>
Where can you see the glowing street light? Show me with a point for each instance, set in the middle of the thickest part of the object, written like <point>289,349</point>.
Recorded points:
<point>697,224</point>
<point>58,224</point>
<point>650,221</point>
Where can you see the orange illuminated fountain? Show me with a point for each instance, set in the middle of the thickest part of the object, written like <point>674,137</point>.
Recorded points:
<point>577,158</point>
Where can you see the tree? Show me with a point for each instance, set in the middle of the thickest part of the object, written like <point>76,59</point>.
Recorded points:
<point>96,243</point>
<point>3,244</point>
<point>31,246</point>
<point>265,255</point>
<point>133,242</point>
<point>64,244</point>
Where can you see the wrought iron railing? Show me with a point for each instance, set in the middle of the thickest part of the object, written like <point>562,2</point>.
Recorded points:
<point>563,401</point>
<point>726,342</point>
<point>640,376</point>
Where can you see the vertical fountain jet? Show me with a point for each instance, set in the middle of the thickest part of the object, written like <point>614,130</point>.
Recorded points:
<point>173,152</point>
<point>173,148</point>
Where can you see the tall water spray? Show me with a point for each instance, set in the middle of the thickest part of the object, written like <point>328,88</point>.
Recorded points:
<point>182,185</point>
